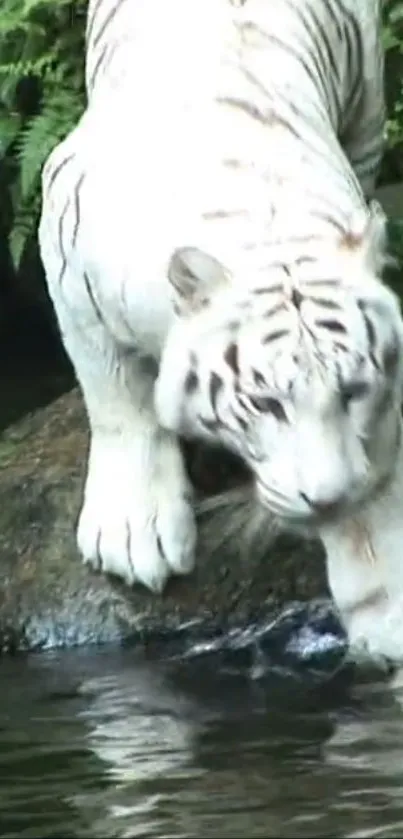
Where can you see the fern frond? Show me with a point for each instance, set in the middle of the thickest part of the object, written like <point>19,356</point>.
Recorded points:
<point>41,50</point>
<point>10,125</point>
<point>41,134</point>
<point>31,6</point>
<point>23,229</point>
<point>20,234</point>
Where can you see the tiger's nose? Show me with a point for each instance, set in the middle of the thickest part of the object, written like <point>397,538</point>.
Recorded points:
<point>324,506</point>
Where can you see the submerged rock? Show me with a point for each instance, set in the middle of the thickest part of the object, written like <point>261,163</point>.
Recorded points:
<point>50,599</point>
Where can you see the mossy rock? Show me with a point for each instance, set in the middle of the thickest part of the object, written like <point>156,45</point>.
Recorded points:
<point>49,598</point>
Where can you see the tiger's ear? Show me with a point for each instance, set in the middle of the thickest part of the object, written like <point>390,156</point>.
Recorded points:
<point>194,275</point>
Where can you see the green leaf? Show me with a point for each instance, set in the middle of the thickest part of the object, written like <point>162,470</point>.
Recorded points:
<point>41,50</point>
<point>40,136</point>
<point>9,127</point>
<point>396,13</point>
<point>22,230</point>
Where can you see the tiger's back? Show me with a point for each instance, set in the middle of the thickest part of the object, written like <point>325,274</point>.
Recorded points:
<point>196,138</point>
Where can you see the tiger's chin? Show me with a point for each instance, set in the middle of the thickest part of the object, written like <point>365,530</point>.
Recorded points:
<point>297,518</point>
<point>294,513</point>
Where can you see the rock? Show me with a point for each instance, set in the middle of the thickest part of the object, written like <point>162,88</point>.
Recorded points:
<point>50,599</point>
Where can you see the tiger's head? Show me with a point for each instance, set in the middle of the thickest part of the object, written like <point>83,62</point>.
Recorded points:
<point>297,369</point>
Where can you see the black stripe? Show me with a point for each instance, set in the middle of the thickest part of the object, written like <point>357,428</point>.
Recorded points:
<point>97,67</point>
<point>259,378</point>
<point>324,43</point>
<point>314,237</point>
<point>231,357</point>
<point>320,74</point>
<point>371,337</point>
<point>274,311</point>
<point>326,304</point>
<point>129,549</point>
<point>58,169</point>
<point>328,205</point>
<point>254,81</point>
<point>302,260</point>
<point>77,209</point>
<point>60,240</point>
<point>191,382</point>
<point>369,327</point>
<point>108,20</point>
<point>329,219</point>
<point>278,42</point>
<point>296,298</point>
<point>280,119</point>
<point>245,106</point>
<point>98,554</point>
<point>93,301</point>
<point>211,425</point>
<point>274,336</point>
<point>91,22</point>
<point>334,14</point>
<point>215,387</point>
<point>241,421</point>
<point>223,214</point>
<point>332,325</point>
<point>330,283</point>
<point>104,61</point>
<point>273,289</point>
<point>355,63</point>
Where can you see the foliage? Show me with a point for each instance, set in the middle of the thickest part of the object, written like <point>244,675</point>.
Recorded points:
<point>393,44</point>
<point>42,96</point>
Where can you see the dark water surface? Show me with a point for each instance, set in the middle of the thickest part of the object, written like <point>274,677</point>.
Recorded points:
<point>119,744</point>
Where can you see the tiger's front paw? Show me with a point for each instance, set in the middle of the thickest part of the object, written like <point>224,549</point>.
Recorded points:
<point>137,520</point>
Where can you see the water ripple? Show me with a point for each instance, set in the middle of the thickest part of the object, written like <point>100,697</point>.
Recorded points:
<point>119,744</point>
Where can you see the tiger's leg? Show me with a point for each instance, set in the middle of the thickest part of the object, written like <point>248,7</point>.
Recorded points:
<point>364,567</point>
<point>137,519</point>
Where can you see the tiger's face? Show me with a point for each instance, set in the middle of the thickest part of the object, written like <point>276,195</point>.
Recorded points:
<point>303,382</point>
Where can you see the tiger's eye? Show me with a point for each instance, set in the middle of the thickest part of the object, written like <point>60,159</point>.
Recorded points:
<point>269,405</point>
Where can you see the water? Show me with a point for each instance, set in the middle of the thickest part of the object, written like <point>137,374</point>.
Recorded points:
<point>123,744</point>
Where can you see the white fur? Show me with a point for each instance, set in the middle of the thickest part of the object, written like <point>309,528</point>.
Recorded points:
<point>356,574</point>
<point>144,174</point>
<point>153,501</point>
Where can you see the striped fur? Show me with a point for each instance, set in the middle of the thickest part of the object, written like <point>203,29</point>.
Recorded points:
<point>215,265</point>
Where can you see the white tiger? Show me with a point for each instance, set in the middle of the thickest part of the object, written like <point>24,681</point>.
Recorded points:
<point>209,213</point>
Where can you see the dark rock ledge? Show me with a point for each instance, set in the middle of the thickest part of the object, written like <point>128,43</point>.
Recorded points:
<point>49,599</point>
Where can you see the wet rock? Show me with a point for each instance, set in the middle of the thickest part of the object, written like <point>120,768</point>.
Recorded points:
<point>48,598</point>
